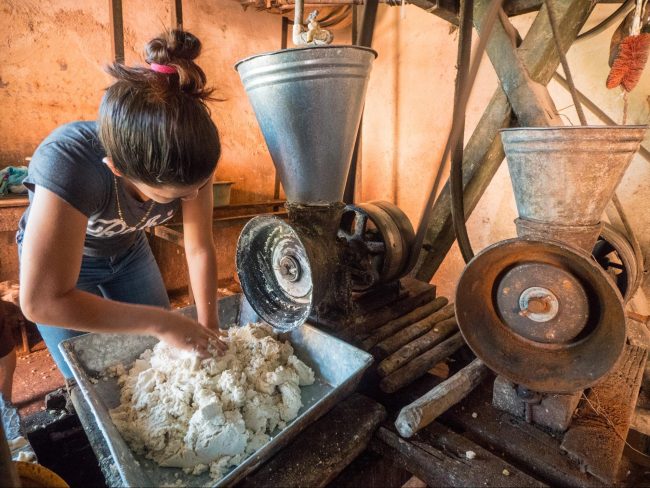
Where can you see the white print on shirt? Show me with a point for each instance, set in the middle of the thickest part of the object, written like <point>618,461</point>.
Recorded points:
<point>113,227</point>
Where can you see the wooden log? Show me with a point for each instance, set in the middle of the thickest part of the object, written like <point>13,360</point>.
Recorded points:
<point>421,364</point>
<point>403,337</point>
<point>529,99</point>
<point>483,153</point>
<point>641,421</point>
<point>597,434</point>
<point>426,409</point>
<point>440,459</point>
<point>435,336</point>
<point>395,310</point>
<point>324,448</point>
<point>392,326</point>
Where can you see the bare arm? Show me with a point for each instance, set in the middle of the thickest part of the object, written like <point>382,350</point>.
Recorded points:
<point>201,255</point>
<point>51,259</point>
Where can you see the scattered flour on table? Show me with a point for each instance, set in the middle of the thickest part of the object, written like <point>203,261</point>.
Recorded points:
<point>210,414</point>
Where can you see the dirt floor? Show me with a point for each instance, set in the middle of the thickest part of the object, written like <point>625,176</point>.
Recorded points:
<point>36,375</point>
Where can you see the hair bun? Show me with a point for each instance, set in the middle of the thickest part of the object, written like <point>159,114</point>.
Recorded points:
<point>172,46</point>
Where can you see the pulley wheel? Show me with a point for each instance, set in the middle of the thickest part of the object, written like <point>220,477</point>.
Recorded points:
<point>275,272</point>
<point>542,314</point>
<point>616,255</point>
<point>382,235</point>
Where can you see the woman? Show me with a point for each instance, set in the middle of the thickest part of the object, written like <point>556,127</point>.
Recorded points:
<point>86,265</point>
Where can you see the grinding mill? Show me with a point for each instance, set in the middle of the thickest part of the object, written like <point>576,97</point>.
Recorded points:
<point>538,309</point>
<point>308,102</point>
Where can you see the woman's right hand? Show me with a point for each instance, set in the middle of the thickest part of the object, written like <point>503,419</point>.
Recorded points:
<point>187,334</point>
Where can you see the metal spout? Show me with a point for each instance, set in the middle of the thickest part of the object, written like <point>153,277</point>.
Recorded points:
<point>308,103</point>
<point>566,175</point>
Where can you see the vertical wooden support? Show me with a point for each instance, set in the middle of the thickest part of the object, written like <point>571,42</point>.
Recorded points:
<point>117,30</point>
<point>484,153</point>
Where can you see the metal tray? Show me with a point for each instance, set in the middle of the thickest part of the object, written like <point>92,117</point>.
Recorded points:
<point>338,368</point>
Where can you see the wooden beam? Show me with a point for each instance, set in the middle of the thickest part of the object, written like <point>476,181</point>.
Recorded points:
<point>525,444</point>
<point>529,99</point>
<point>439,457</point>
<point>484,153</point>
<point>519,7</point>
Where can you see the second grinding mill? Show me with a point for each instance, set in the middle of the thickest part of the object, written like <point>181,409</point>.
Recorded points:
<point>308,103</point>
<point>538,309</point>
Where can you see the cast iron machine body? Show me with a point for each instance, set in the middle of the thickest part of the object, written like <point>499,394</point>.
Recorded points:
<point>308,102</point>
<point>538,309</point>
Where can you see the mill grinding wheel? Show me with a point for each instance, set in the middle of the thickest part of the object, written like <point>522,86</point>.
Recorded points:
<point>541,314</point>
<point>275,267</point>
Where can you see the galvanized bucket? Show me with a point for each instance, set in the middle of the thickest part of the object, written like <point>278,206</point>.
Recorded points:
<point>566,175</point>
<point>308,103</point>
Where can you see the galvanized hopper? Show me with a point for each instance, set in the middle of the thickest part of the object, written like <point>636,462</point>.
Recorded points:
<point>567,175</point>
<point>308,103</point>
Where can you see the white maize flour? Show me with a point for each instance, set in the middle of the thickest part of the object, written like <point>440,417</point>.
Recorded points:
<point>210,414</point>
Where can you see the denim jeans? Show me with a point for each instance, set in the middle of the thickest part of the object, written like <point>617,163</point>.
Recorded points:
<point>132,277</point>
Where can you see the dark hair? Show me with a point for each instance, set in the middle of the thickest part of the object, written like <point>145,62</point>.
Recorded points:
<point>156,127</point>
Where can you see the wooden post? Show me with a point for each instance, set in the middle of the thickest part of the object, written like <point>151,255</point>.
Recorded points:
<point>427,408</point>
<point>484,153</point>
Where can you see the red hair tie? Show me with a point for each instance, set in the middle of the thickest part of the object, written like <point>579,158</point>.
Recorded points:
<point>163,68</point>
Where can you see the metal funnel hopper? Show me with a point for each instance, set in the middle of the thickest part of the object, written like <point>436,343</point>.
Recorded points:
<point>563,177</point>
<point>308,103</point>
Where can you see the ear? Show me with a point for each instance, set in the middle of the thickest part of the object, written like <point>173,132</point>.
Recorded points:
<point>109,162</point>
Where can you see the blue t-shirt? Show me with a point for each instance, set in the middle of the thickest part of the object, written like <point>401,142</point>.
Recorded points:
<point>69,164</point>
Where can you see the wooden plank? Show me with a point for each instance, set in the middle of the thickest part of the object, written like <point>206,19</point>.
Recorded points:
<point>439,458</point>
<point>371,470</point>
<point>324,448</point>
<point>526,445</point>
<point>484,153</point>
<point>597,434</point>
